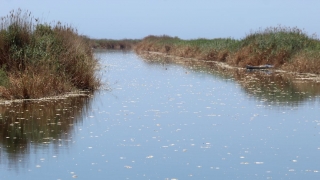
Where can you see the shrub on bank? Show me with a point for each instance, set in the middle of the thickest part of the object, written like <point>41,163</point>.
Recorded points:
<point>284,47</point>
<point>40,59</point>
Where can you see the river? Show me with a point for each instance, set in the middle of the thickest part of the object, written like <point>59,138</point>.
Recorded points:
<point>163,120</point>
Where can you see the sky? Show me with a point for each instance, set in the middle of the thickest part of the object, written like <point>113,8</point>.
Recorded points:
<point>186,19</point>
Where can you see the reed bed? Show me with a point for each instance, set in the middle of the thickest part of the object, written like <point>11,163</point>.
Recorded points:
<point>39,59</point>
<point>286,48</point>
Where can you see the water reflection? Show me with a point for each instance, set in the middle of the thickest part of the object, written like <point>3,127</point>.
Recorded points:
<point>270,87</point>
<point>280,89</point>
<point>39,125</point>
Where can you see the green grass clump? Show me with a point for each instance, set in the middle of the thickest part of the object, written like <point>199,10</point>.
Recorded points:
<point>41,59</point>
<point>277,46</point>
<point>284,47</point>
<point>4,80</point>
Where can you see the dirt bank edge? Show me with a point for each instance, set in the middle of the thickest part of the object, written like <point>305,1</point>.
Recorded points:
<point>296,75</point>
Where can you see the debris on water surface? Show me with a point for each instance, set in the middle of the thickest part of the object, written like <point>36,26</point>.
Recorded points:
<point>244,163</point>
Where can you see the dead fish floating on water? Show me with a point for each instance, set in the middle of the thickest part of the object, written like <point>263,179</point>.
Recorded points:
<point>267,66</point>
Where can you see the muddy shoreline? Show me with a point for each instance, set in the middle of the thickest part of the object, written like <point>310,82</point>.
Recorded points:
<point>49,98</point>
<point>158,56</point>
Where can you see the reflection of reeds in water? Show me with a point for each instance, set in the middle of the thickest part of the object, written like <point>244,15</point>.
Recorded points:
<point>271,87</point>
<point>40,125</point>
<point>277,88</point>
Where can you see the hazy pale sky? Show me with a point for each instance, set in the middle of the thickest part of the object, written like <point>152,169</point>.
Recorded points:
<point>187,19</point>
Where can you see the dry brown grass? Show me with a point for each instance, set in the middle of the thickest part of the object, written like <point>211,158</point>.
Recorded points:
<point>33,83</point>
<point>248,56</point>
<point>304,63</point>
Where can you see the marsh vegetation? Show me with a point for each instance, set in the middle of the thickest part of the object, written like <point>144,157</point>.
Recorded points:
<point>286,48</point>
<point>42,59</point>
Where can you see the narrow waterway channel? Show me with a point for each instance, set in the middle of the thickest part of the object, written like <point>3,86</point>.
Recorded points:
<point>159,120</point>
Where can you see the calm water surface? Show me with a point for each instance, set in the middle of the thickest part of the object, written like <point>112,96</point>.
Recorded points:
<point>158,120</point>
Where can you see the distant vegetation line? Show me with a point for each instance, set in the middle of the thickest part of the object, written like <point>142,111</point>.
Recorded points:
<point>122,44</point>
<point>39,59</point>
<point>286,48</point>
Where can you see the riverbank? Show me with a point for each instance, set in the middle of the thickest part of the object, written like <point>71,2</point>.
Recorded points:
<point>222,66</point>
<point>41,60</point>
<point>288,49</point>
